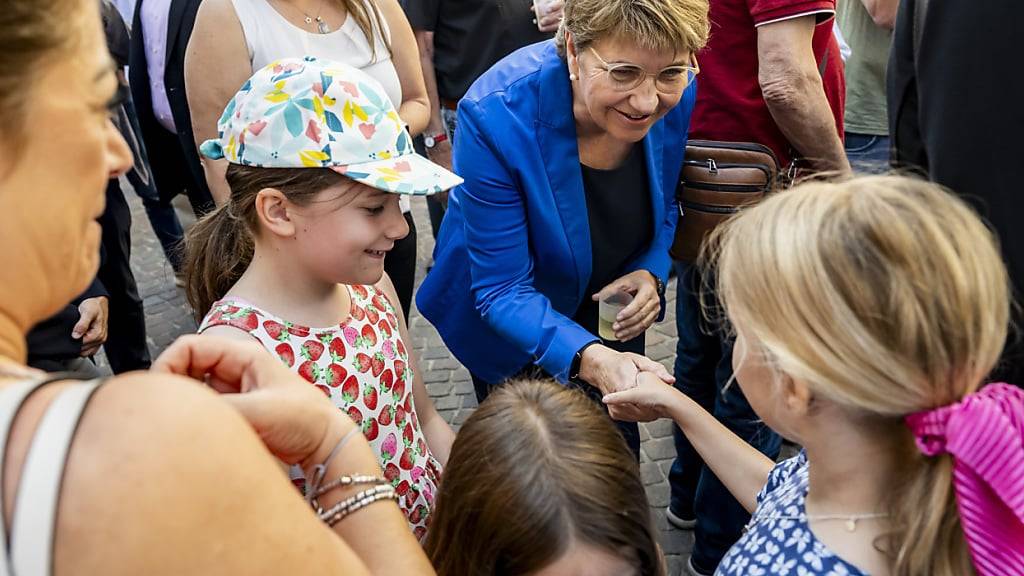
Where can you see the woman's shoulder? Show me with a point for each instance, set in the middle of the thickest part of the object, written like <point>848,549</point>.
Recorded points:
<point>161,455</point>
<point>513,73</point>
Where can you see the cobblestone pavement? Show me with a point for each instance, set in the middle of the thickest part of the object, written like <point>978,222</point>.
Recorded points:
<point>448,383</point>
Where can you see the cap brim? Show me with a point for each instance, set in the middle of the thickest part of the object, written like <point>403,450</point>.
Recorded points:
<point>410,174</point>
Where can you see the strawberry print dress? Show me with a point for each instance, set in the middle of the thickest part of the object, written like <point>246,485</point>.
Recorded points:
<point>362,366</point>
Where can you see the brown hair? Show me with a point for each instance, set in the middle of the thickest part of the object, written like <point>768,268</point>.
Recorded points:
<point>219,247</point>
<point>678,25</point>
<point>888,296</point>
<point>31,36</point>
<point>535,468</point>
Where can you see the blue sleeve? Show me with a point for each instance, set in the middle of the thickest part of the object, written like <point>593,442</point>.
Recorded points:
<point>500,259</point>
<point>656,259</point>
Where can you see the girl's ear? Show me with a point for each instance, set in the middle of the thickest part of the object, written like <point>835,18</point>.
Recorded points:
<point>272,213</point>
<point>796,395</point>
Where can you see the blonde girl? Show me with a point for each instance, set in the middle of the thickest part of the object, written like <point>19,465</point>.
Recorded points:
<point>868,314</point>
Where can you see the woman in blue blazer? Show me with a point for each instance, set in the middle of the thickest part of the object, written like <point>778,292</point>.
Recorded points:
<point>571,150</point>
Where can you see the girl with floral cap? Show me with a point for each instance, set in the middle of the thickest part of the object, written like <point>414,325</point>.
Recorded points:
<point>295,259</point>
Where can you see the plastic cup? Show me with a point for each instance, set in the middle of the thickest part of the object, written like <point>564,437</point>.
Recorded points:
<point>607,310</point>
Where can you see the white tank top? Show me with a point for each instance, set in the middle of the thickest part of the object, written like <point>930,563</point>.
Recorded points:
<point>269,36</point>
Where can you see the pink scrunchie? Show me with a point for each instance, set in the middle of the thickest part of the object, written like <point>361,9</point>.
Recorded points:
<point>985,435</point>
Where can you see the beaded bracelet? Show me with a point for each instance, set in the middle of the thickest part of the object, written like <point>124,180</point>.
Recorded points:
<point>342,509</point>
<point>346,480</point>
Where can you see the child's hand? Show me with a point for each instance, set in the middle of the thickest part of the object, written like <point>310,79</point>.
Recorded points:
<point>649,400</point>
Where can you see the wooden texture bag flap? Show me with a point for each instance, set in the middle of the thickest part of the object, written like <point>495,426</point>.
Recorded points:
<point>717,179</point>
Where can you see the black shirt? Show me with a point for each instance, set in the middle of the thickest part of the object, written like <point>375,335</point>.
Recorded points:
<point>621,227</point>
<point>470,36</point>
<point>955,113</point>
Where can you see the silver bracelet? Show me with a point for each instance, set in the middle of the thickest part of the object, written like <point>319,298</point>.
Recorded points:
<point>320,470</point>
<point>349,505</point>
<point>346,480</point>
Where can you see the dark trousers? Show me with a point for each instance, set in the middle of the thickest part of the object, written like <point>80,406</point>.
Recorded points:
<point>630,430</point>
<point>126,347</point>
<point>400,264</point>
<point>160,212</point>
<point>702,370</point>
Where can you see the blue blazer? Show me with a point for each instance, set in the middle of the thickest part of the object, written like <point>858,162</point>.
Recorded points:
<point>513,258</point>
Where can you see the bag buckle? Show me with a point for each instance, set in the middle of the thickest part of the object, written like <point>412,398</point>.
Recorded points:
<point>712,167</point>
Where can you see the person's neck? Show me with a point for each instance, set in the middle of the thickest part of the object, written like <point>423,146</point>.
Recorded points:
<point>277,281</point>
<point>851,465</point>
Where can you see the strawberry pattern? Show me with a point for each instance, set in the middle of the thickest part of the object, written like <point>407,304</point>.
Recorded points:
<point>362,365</point>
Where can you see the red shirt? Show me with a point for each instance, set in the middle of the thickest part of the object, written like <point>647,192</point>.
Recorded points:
<point>730,106</point>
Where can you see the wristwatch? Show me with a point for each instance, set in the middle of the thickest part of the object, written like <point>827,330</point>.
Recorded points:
<point>577,362</point>
<point>658,284</point>
<point>431,141</point>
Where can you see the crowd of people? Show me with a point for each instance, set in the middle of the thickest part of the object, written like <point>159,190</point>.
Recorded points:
<point>861,305</point>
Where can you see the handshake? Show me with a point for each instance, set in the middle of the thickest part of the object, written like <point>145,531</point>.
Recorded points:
<point>634,387</point>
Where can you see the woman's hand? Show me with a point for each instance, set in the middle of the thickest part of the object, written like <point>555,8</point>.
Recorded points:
<point>610,371</point>
<point>639,314</point>
<point>298,424</point>
<point>652,398</point>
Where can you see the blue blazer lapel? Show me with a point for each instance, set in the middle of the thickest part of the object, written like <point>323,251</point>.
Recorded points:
<point>653,144</point>
<point>556,136</point>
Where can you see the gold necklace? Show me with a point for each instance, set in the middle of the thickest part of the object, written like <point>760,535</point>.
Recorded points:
<point>321,25</point>
<point>851,519</point>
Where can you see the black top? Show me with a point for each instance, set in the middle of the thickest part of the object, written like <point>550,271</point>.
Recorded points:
<point>621,227</point>
<point>470,36</point>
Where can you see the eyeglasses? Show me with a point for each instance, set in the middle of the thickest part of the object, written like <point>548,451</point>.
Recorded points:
<point>625,77</point>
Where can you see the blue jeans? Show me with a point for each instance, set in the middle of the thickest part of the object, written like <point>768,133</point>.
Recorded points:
<point>702,370</point>
<point>434,206</point>
<point>867,154</point>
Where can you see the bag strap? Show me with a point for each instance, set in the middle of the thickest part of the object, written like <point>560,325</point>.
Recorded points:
<point>12,398</point>
<point>35,510</point>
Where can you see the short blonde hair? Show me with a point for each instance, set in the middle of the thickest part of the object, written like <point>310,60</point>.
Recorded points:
<point>886,295</point>
<point>678,25</point>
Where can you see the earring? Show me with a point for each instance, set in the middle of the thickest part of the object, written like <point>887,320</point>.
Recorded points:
<point>572,77</point>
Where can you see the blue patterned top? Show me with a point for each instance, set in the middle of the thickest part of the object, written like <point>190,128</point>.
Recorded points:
<point>783,546</point>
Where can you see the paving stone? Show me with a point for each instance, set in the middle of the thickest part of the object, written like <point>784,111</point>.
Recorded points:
<point>658,495</point>
<point>651,474</point>
<point>444,363</point>
<point>660,428</point>
<point>431,376</point>
<point>660,448</point>
<point>439,389</point>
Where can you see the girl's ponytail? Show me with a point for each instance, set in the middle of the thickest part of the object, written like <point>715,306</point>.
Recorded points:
<point>218,249</point>
<point>927,535</point>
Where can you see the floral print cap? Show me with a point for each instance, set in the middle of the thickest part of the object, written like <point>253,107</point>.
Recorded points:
<point>314,113</point>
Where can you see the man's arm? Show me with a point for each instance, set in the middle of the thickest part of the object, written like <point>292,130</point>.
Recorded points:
<point>441,153</point>
<point>793,90</point>
<point>883,12</point>
<point>425,42</point>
